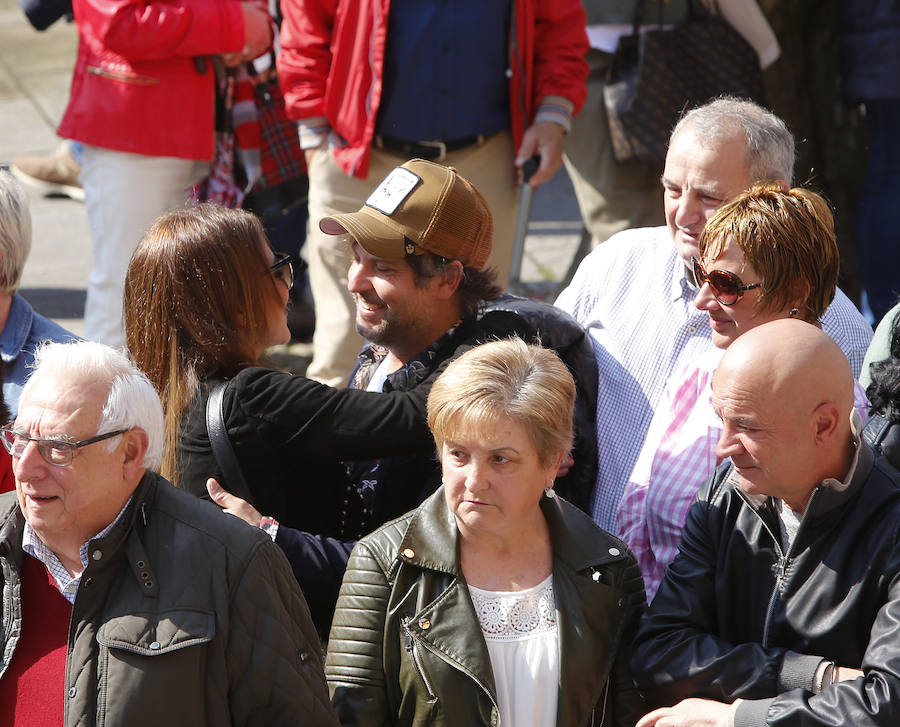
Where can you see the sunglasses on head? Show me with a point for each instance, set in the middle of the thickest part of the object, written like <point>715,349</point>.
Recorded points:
<point>727,288</point>
<point>283,269</point>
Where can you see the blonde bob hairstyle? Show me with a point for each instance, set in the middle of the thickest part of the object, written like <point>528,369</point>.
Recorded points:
<point>788,238</point>
<point>511,378</point>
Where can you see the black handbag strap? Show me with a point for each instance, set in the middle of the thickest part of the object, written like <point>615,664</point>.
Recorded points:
<point>221,443</point>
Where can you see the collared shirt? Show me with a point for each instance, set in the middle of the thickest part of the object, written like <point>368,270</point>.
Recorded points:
<point>67,584</point>
<point>678,456</point>
<point>634,296</point>
<point>367,478</point>
<point>445,70</point>
<point>23,331</point>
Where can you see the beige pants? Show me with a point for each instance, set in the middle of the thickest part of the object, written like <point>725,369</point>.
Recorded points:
<point>612,195</point>
<point>335,343</point>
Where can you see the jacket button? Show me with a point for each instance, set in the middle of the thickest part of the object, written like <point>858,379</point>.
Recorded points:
<point>72,692</point>
<point>424,623</point>
<point>304,656</point>
<point>96,555</point>
<point>154,646</point>
<point>409,553</point>
<point>615,551</point>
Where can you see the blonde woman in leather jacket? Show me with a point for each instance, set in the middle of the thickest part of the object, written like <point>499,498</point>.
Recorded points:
<point>495,602</point>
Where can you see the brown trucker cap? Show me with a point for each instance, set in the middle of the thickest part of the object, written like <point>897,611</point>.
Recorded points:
<point>421,207</point>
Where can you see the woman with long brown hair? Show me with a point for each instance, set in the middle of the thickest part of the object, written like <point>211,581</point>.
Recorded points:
<point>204,297</point>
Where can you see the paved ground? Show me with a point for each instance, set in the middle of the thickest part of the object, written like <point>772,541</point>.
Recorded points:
<point>35,72</point>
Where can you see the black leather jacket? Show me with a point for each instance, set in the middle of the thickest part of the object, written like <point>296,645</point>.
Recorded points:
<point>406,647</point>
<point>736,617</point>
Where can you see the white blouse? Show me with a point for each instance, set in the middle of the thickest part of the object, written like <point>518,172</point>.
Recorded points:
<point>523,642</point>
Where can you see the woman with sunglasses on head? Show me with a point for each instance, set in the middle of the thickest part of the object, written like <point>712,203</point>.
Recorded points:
<point>768,254</point>
<point>205,296</point>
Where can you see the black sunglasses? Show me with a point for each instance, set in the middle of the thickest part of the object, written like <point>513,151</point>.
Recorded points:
<point>283,269</point>
<point>727,288</point>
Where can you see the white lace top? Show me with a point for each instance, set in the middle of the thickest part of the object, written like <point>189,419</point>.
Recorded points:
<point>522,639</point>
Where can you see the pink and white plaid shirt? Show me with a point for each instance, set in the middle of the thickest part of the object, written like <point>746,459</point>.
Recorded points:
<point>678,456</point>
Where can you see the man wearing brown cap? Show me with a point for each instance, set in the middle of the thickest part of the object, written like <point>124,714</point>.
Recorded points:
<point>423,296</point>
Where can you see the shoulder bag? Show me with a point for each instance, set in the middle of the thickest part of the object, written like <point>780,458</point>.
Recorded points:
<point>657,74</point>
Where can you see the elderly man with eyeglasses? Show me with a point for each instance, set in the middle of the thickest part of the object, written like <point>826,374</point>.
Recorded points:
<point>125,600</point>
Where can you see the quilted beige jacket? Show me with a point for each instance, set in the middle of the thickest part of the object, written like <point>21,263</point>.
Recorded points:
<point>184,616</point>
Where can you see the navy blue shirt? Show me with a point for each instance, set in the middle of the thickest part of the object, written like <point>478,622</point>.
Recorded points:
<point>445,70</point>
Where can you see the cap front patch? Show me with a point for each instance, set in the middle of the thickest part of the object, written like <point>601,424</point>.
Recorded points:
<point>395,188</point>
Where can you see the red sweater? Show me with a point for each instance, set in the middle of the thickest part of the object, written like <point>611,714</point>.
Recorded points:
<point>7,481</point>
<point>32,691</point>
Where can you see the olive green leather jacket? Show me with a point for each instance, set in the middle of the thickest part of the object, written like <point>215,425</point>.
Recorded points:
<point>406,647</point>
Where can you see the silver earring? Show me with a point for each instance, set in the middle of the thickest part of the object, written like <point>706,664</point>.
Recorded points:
<point>548,492</point>
<point>793,312</point>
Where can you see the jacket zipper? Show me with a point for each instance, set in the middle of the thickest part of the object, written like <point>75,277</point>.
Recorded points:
<point>410,646</point>
<point>134,78</point>
<point>605,697</point>
<point>781,566</point>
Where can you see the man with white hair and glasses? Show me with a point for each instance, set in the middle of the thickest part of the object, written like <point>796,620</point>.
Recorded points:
<point>125,599</point>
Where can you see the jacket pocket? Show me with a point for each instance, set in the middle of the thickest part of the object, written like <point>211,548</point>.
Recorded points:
<point>152,634</point>
<point>413,648</point>
<point>150,665</point>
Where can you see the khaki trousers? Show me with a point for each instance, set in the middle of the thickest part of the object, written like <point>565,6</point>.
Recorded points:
<point>336,343</point>
<point>612,195</point>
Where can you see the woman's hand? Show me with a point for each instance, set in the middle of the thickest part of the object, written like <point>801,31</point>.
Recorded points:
<point>232,504</point>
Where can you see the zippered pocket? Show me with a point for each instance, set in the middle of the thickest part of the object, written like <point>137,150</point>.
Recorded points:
<point>412,648</point>
<point>126,77</point>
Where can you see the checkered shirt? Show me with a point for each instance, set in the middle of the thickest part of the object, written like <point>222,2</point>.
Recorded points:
<point>633,295</point>
<point>67,585</point>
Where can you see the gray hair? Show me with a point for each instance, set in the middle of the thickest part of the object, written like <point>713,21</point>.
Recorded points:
<point>132,402</point>
<point>15,232</point>
<point>770,144</point>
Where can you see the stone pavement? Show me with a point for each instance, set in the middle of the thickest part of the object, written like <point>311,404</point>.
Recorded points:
<point>35,72</point>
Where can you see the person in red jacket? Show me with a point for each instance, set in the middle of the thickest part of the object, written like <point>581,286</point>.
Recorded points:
<point>468,84</point>
<point>142,104</point>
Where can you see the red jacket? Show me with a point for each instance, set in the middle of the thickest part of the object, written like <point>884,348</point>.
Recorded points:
<point>332,56</point>
<point>136,87</point>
